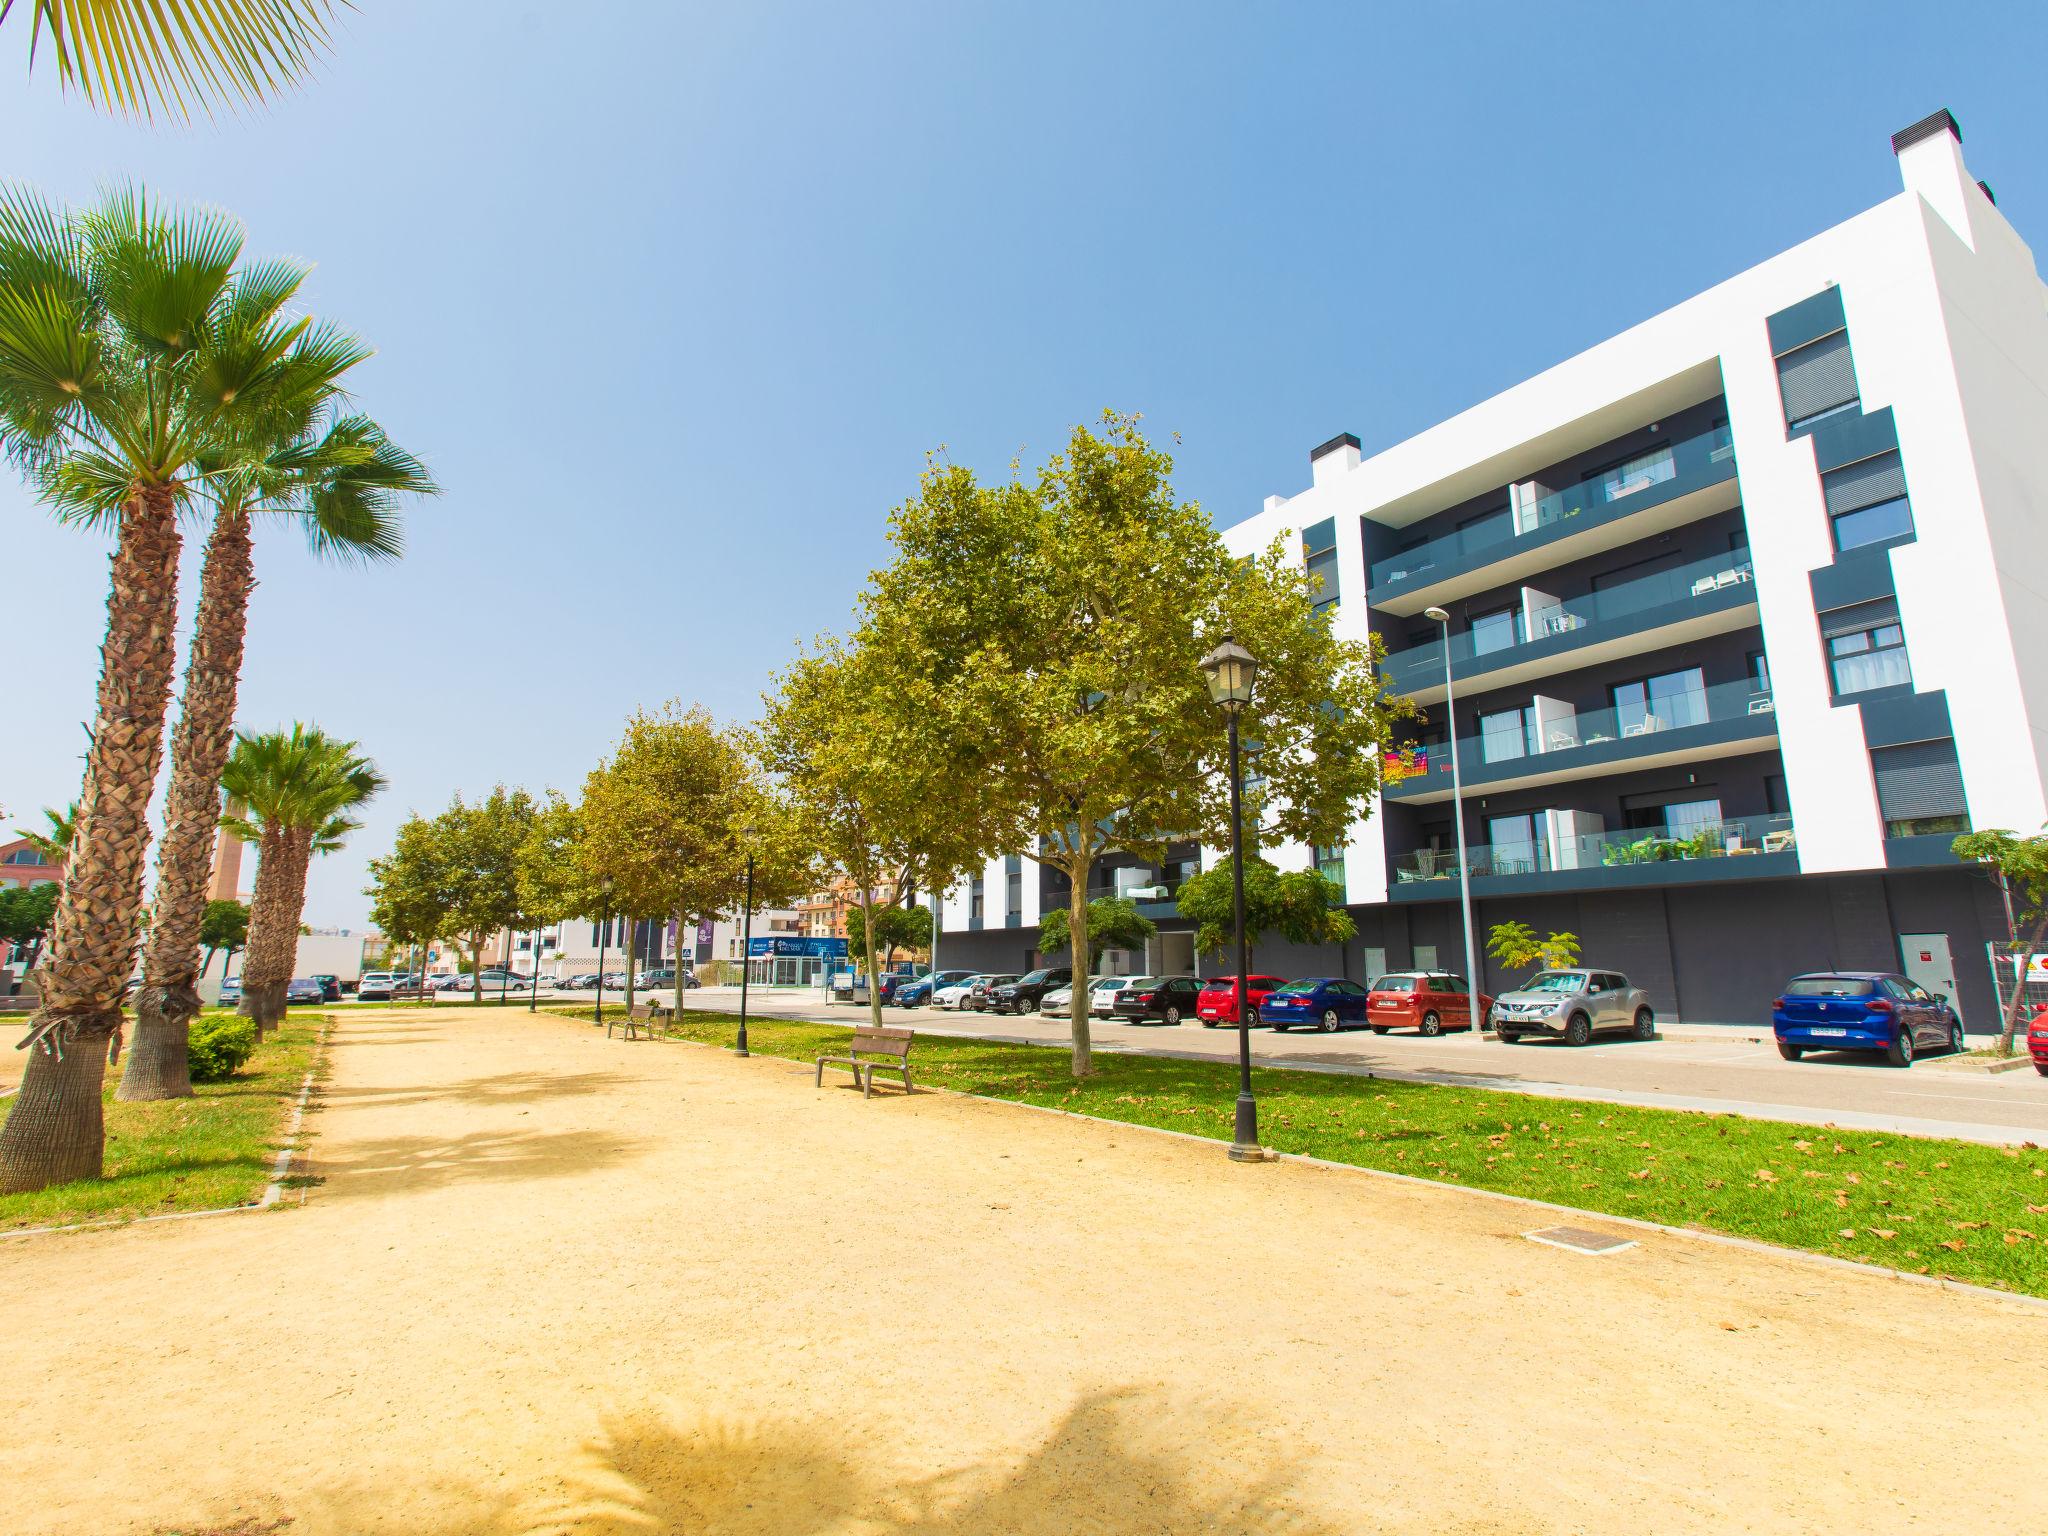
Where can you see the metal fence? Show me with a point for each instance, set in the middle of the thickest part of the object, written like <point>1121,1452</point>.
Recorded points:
<point>2028,973</point>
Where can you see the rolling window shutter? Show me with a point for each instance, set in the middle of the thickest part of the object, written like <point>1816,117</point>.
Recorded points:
<point>1919,779</point>
<point>1864,484</point>
<point>1817,377</point>
<point>1858,617</point>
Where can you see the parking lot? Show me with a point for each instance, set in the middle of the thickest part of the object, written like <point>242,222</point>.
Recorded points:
<point>1709,1067</point>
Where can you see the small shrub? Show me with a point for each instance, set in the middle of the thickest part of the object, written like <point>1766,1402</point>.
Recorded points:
<point>219,1047</point>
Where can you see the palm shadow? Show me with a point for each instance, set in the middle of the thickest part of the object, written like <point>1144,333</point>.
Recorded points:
<point>506,1088</point>
<point>412,1164</point>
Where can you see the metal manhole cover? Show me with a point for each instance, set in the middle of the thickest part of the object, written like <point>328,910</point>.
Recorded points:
<point>1581,1240</point>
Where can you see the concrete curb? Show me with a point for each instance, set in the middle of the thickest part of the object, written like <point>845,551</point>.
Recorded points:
<point>272,1193</point>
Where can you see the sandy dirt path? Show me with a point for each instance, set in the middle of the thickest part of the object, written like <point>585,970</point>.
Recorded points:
<point>555,1283</point>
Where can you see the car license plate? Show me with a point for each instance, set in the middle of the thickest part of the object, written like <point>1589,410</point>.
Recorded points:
<point>1833,1034</point>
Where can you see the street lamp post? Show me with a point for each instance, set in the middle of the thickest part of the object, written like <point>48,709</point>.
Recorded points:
<point>1443,620</point>
<point>746,955</point>
<point>1231,670</point>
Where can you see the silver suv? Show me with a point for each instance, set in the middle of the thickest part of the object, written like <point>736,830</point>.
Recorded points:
<point>1573,1004</point>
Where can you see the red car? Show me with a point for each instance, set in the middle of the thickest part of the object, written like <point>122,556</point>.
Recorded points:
<point>2037,1039</point>
<point>1217,1003</point>
<point>1428,1001</point>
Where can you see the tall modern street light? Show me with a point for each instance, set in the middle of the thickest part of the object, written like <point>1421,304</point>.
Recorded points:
<point>1231,669</point>
<point>746,947</point>
<point>1472,1013</point>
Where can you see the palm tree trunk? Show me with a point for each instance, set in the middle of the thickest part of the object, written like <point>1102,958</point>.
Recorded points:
<point>169,997</point>
<point>55,1131</point>
<point>279,899</point>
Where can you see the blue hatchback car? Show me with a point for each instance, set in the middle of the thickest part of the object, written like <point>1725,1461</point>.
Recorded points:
<point>1863,1011</point>
<point>1326,1002</point>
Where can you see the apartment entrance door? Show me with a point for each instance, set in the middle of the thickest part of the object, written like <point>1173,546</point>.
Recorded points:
<point>1176,953</point>
<point>1927,961</point>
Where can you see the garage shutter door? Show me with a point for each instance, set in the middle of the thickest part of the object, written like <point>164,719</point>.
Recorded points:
<point>1817,377</point>
<point>1918,780</point>
<point>1864,484</point>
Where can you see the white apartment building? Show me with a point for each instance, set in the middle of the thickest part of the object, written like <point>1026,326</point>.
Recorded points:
<point>1746,618</point>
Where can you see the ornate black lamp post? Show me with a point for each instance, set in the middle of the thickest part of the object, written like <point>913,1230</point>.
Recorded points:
<point>1231,669</point>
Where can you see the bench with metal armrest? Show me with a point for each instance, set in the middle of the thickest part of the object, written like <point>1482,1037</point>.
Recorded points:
<point>873,1050</point>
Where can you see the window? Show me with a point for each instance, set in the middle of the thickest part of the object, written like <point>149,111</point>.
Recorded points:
<point>1508,734</point>
<point>1776,801</point>
<point>1866,647</point>
<point>1817,380</point>
<point>1330,863</point>
<point>1661,703</point>
<point>1489,527</point>
<point>1518,843</point>
<point>1867,501</point>
<point>1920,789</point>
<point>976,899</point>
<point>1319,554</point>
<point>1637,474</point>
<point>1495,631</point>
<point>1425,957</point>
<point>1688,818</point>
<point>1677,818</point>
<point>26,856</point>
<point>1759,672</point>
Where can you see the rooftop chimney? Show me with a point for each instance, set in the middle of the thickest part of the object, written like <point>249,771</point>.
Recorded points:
<point>1931,163</point>
<point>1333,458</point>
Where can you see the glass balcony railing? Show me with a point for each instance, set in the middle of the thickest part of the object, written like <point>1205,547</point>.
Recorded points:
<point>1728,838</point>
<point>1423,665</point>
<point>1529,733</point>
<point>1672,469</point>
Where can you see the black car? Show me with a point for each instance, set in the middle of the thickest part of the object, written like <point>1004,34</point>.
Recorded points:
<point>1023,994</point>
<point>330,986</point>
<point>1168,999</point>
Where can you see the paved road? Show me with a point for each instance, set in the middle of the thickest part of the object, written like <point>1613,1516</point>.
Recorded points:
<point>1721,1070</point>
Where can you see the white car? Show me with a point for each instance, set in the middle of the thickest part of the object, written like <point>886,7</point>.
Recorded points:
<point>1102,996</point>
<point>1060,1000</point>
<point>955,997</point>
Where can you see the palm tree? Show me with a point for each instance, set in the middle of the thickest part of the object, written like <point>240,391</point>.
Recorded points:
<point>54,843</point>
<point>300,786</point>
<point>142,56</point>
<point>129,346</point>
<point>340,478</point>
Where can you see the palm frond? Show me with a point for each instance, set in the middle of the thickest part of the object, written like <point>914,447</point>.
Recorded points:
<point>143,57</point>
<point>299,779</point>
<point>162,272</point>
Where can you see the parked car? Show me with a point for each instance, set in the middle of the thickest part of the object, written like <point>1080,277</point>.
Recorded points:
<point>921,990</point>
<point>1168,999</point>
<point>231,992</point>
<point>1864,1011</point>
<point>1022,994</point>
<point>1428,1002</point>
<point>582,981</point>
<point>305,989</point>
<point>330,986</point>
<point>977,997</point>
<point>1103,995</point>
<point>375,986</point>
<point>954,995</point>
<point>1327,1002</point>
<point>665,976</point>
<point>615,980</point>
<point>502,981</point>
<point>1573,1005</point>
<point>2037,1039</point>
<point>1059,1002</point>
<point>1217,1003</point>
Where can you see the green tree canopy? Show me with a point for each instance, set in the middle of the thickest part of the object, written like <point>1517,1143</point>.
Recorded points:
<point>896,927</point>
<point>1114,922</point>
<point>1058,691</point>
<point>1301,905</point>
<point>224,925</point>
<point>26,912</point>
<point>1514,945</point>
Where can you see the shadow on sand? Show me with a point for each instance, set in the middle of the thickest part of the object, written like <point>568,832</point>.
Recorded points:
<point>1118,1462</point>
<point>370,1168</point>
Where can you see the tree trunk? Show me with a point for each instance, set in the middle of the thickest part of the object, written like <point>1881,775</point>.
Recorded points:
<point>2019,988</point>
<point>55,1130</point>
<point>680,991</point>
<point>274,913</point>
<point>867,935</point>
<point>476,967</point>
<point>1079,869</point>
<point>169,996</point>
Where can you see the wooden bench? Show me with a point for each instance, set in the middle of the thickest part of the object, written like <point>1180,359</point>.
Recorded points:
<point>630,1021</point>
<point>873,1050</point>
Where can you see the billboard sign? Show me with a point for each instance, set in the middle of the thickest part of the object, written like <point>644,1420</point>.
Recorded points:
<point>813,949</point>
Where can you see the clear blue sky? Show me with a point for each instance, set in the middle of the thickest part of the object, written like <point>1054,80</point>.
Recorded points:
<point>674,298</point>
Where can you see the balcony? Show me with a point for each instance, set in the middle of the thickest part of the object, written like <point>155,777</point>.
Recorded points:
<point>1733,848</point>
<point>1675,607</point>
<point>1694,479</point>
<point>1563,744</point>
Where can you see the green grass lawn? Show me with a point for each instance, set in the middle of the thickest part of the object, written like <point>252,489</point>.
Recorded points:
<point>1948,1208</point>
<point>194,1154</point>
